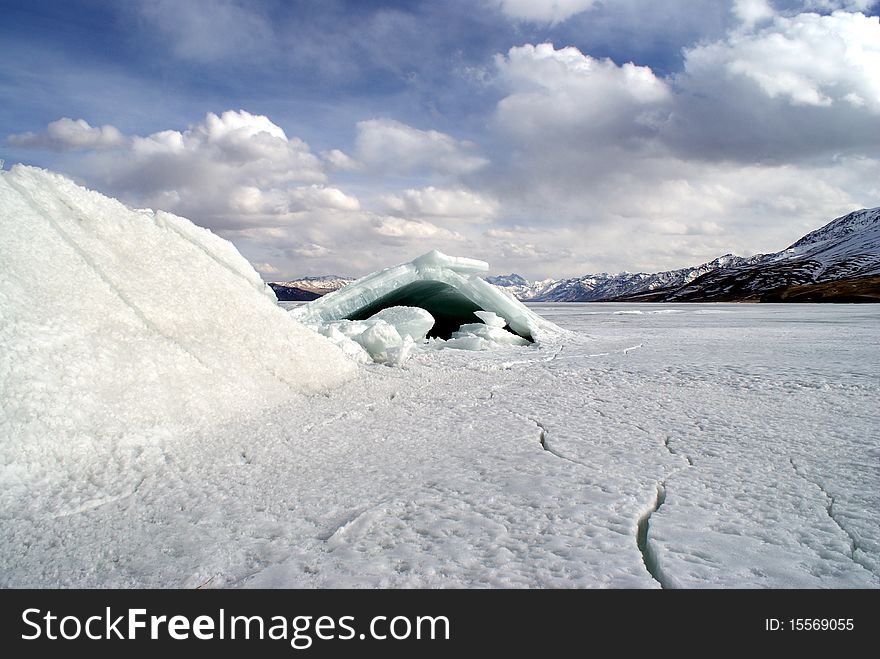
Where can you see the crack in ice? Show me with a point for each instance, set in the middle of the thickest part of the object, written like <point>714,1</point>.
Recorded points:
<point>829,509</point>
<point>646,549</point>
<point>542,439</point>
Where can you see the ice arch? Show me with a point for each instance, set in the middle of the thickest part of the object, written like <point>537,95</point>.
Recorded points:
<point>448,287</point>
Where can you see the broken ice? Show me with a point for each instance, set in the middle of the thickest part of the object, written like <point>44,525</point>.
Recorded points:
<point>436,297</point>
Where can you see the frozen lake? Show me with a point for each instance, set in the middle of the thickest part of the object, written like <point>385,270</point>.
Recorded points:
<point>657,445</point>
<point>776,406</point>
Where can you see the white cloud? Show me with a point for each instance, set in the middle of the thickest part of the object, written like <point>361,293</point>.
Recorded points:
<point>450,204</point>
<point>227,170</point>
<point>321,196</point>
<point>832,5</point>
<point>620,170</point>
<point>251,200</point>
<point>311,251</point>
<point>542,11</point>
<point>751,12</point>
<point>208,30</point>
<point>341,161</point>
<point>559,95</point>
<point>806,59</point>
<point>386,145</point>
<point>398,227</point>
<point>768,131</point>
<point>71,134</point>
<point>266,269</point>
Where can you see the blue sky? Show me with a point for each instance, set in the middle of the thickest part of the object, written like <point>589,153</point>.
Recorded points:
<point>549,137</point>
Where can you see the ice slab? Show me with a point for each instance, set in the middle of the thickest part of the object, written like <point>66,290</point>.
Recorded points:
<point>447,287</point>
<point>413,322</point>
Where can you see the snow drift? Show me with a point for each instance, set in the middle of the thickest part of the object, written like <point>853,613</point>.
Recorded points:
<point>115,323</point>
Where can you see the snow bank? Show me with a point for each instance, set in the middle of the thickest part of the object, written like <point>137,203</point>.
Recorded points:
<point>116,323</point>
<point>443,288</point>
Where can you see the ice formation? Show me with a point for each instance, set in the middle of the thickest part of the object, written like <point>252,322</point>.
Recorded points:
<point>435,296</point>
<point>117,322</point>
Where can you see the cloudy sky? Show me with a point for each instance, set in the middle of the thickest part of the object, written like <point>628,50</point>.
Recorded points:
<point>549,137</point>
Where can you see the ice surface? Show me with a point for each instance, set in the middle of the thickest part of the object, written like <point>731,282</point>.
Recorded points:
<point>475,469</point>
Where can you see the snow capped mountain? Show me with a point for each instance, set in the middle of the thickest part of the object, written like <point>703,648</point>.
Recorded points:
<point>308,288</point>
<point>604,286</point>
<point>521,288</point>
<point>840,261</point>
<point>320,285</point>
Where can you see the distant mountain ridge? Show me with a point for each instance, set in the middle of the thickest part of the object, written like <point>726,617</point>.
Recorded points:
<point>604,286</point>
<point>306,289</point>
<point>838,262</point>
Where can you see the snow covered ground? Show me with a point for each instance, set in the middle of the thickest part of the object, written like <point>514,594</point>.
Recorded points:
<point>689,445</point>
<point>163,422</point>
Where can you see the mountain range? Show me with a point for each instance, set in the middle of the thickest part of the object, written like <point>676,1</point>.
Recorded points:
<point>308,288</point>
<point>839,262</point>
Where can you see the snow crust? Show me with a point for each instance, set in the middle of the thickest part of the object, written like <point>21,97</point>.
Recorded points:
<point>526,468</point>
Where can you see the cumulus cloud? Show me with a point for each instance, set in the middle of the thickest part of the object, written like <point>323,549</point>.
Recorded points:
<point>241,175</point>
<point>450,204</point>
<point>806,59</point>
<point>751,12</point>
<point>391,146</point>
<point>70,134</point>
<point>766,131</point>
<point>266,269</point>
<point>542,11</point>
<point>626,168</point>
<point>797,87</point>
<point>341,161</point>
<point>561,97</point>
<point>311,251</point>
<point>227,170</point>
<point>398,227</point>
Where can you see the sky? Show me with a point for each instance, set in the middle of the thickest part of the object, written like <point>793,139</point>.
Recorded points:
<point>551,138</point>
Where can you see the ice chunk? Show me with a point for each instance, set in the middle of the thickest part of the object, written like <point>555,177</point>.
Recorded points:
<point>373,340</point>
<point>408,321</point>
<point>378,338</point>
<point>447,287</point>
<point>490,318</point>
<point>118,323</point>
<point>437,259</point>
<point>478,336</point>
<point>468,342</point>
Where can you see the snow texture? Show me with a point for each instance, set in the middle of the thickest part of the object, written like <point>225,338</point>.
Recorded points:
<point>121,329</point>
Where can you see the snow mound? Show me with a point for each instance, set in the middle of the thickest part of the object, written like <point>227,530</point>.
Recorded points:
<point>445,289</point>
<point>115,323</point>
